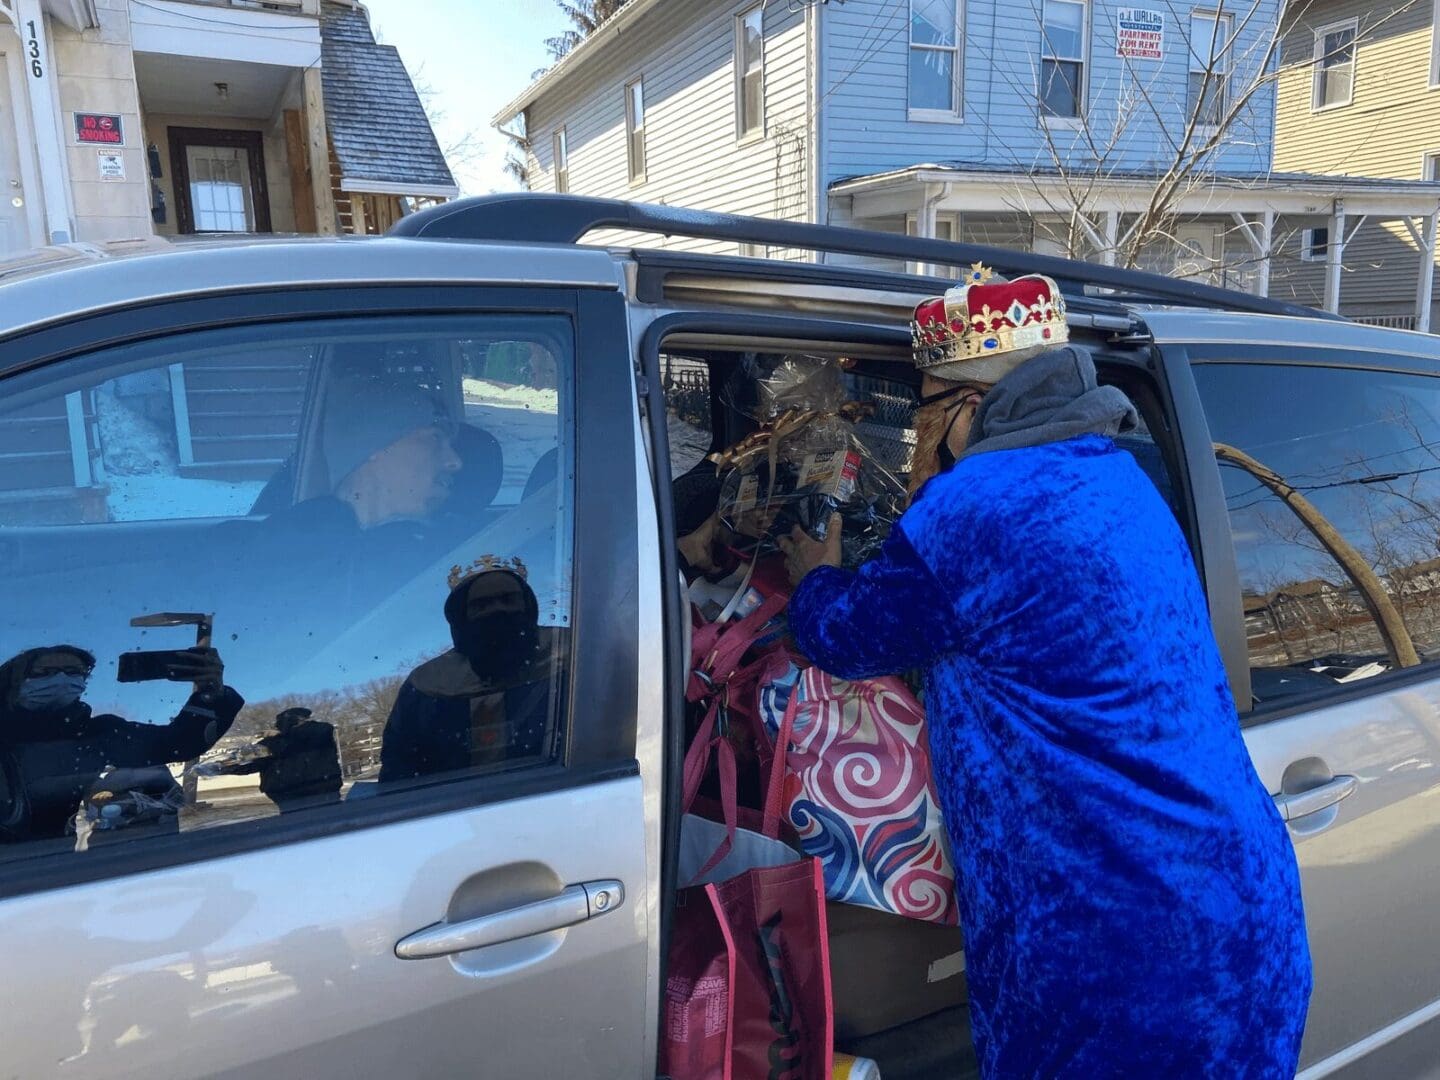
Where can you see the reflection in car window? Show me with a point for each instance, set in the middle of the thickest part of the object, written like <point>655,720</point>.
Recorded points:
<point>1334,505</point>
<point>688,401</point>
<point>258,570</point>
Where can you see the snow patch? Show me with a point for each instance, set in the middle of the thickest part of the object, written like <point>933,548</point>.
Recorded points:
<point>511,396</point>
<point>168,498</point>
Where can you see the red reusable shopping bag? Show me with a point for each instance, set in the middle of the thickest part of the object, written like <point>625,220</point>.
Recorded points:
<point>748,993</point>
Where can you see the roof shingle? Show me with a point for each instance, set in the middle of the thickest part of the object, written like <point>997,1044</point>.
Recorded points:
<point>376,120</point>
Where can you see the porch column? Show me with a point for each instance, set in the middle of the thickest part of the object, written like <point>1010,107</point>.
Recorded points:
<point>317,139</point>
<point>1260,246</point>
<point>1267,244</point>
<point>1425,289</point>
<point>38,66</point>
<point>925,224</point>
<point>358,225</point>
<point>1111,249</point>
<point>1334,253</point>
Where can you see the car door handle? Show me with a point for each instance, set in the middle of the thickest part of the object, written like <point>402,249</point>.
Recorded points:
<point>576,904</point>
<point>1303,803</point>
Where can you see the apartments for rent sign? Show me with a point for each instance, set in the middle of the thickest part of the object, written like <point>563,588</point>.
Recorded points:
<point>1140,34</point>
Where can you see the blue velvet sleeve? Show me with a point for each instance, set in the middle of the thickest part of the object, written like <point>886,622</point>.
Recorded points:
<point>888,617</point>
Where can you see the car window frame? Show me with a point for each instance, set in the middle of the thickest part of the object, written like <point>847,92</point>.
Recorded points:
<point>1223,586</point>
<point>1138,368</point>
<point>605,568</point>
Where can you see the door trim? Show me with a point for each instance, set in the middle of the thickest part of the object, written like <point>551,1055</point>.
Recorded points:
<point>1368,1045</point>
<point>24,140</point>
<point>181,138</point>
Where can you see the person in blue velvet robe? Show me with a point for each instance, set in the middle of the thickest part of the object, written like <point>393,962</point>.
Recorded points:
<point>1129,895</point>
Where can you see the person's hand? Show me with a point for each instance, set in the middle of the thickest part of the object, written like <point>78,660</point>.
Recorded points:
<point>203,667</point>
<point>803,553</point>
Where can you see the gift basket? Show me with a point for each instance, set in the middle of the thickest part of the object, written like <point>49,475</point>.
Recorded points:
<point>805,462</point>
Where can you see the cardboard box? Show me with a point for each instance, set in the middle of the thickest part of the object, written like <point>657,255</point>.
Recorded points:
<point>887,970</point>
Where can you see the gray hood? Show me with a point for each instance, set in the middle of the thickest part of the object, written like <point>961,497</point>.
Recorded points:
<point>1048,399</point>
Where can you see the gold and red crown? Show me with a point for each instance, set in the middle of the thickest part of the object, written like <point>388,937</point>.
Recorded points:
<point>977,320</point>
<point>485,564</point>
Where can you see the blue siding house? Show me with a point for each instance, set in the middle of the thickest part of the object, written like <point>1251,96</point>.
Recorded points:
<point>1035,85</point>
<point>1048,124</point>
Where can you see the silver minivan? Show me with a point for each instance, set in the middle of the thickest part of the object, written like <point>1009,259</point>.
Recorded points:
<point>257,819</point>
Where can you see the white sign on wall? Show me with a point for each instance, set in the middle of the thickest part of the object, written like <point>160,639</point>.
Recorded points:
<point>1140,34</point>
<point>112,165</point>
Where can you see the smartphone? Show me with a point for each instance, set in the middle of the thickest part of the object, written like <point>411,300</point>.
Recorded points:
<point>150,666</point>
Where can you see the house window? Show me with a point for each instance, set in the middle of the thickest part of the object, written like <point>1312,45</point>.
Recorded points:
<point>1209,68</point>
<point>947,226</point>
<point>935,58</point>
<point>750,72</point>
<point>1315,244</point>
<point>1432,168</point>
<point>562,162</point>
<point>1062,59</point>
<point>635,129</point>
<point>1335,65</point>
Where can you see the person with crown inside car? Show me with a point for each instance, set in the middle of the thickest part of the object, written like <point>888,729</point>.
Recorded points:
<point>1128,891</point>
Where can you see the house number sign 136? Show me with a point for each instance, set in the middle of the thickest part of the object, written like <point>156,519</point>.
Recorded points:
<point>33,48</point>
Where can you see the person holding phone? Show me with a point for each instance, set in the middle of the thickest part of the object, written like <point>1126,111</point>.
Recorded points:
<point>58,746</point>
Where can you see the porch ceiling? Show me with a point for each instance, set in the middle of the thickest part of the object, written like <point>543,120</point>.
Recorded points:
<point>988,189</point>
<point>249,34</point>
<point>185,86</point>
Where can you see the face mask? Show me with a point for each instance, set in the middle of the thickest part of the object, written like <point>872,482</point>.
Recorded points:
<point>496,645</point>
<point>943,451</point>
<point>50,693</point>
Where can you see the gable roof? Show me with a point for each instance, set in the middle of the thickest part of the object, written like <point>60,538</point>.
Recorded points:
<point>612,28</point>
<point>382,136</point>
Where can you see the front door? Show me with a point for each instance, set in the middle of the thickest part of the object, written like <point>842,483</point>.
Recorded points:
<point>385,817</point>
<point>1199,253</point>
<point>1340,602</point>
<point>220,182</point>
<point>14,231</point>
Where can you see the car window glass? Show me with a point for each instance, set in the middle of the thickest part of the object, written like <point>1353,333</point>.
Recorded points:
<point>1334,505</point>
<point>362,585</point>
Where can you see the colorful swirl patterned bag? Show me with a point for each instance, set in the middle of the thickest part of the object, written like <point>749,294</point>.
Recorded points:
<point>858,790</point>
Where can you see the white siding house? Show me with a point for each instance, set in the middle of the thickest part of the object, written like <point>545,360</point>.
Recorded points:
<point>683,56</point>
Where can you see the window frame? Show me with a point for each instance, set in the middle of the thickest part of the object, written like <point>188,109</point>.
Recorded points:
<point>757,130</point>
<point>1220,569</point>
<point>1047,55</point>
<point>1221,37</point>
<point>956,114</point>
<point>1307,244</point>
<point>560,160</point>
<point>1430,166</point>
<point>605,568</point>
<point>1317,80</point>
<point>1435,45</point>
<point>636,133</point>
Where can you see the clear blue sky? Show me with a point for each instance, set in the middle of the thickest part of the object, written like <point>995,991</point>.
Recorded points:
<point>474,56</point>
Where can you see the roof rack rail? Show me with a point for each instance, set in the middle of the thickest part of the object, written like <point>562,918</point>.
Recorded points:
<point>534,217</point>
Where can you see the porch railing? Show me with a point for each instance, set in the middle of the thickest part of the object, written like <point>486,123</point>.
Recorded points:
<point>1390,322</point>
